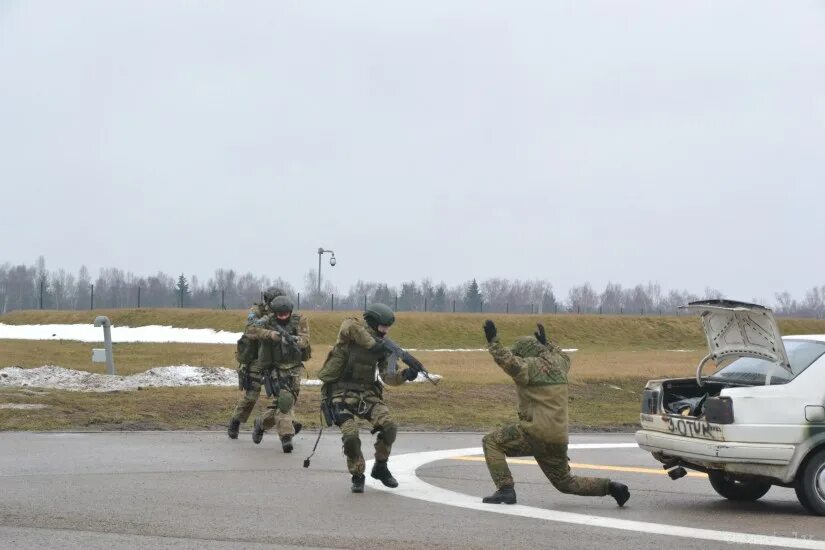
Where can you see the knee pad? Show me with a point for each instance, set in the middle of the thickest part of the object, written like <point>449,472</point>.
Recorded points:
<point>285,401</point>
<point>388,433</point>
<point>352,445</point>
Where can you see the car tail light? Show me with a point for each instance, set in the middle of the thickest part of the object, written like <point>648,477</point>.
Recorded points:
<point>650,402</point>
<point>719,410</point>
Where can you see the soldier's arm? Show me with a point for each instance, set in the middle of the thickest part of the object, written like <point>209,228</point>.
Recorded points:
<point>515,367</point>
<point>396,379</point>
<point>258,330</point>
<point>559,360</point>
<point>353,332</point>
<point>252,330</point>
<point>303,332</point>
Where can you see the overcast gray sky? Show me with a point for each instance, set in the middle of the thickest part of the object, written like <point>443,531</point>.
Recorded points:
<point>678,142</point>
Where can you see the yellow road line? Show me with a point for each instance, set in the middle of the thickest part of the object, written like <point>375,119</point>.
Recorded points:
<point>630,469</point>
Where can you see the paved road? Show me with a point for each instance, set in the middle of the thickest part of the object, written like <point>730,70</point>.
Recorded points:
<point>202,490</point>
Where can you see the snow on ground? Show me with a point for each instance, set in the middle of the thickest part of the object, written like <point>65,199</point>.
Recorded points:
<point>91,333</point>
<point>75,380</point>
<point>148,334</point>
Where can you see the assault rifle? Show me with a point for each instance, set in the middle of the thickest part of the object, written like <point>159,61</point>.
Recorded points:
<point>400,353</point>
<point>289,342</point>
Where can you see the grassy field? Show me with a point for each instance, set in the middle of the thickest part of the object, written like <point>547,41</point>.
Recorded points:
<point>617,355</point>
<point>441,330</point>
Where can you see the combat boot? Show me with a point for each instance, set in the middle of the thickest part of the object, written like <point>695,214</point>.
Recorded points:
<point>297,426</point>
<point>234,428</point>
<point>358,483</point>
<point>505,495</point>
<point>619,491</point>
<point>286,443</point>
<point>382,473</point>
<point>257,431</point>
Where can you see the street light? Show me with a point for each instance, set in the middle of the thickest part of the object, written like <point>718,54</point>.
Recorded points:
<point>332,262</point>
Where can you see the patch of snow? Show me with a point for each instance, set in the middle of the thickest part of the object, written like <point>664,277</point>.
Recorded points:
<point>75,380</point>
<point>149,334</point>
<point>681,350</point>
<point>22,406</point>
<point>90,333</point>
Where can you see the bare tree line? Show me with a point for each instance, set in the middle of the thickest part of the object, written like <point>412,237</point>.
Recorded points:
<point>35,287</point>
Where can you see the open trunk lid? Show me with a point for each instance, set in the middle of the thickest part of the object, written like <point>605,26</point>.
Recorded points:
<point>738,329</point>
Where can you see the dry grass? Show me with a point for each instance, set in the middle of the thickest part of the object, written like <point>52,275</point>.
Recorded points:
<point>450,406</point>
<point>461,367</point>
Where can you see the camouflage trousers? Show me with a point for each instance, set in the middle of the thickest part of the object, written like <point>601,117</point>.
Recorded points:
<point>379,417</point>
<point>250,396</point>
<point>552,458</point>
<point>274,416</point>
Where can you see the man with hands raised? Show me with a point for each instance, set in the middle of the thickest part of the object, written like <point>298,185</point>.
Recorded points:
<point>539,369</point>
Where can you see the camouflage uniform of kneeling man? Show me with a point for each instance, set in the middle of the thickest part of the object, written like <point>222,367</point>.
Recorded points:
<point>539,370</point>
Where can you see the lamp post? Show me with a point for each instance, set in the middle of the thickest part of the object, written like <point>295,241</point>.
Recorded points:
<point>332,262</point>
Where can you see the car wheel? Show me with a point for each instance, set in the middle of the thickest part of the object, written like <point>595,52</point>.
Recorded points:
<point>737,489</point>
<point>810,484</point>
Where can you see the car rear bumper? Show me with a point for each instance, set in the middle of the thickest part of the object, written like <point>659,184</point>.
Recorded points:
<point>709,453</point>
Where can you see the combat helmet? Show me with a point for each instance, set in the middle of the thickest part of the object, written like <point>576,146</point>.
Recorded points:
<point>273,292</point>
<point>281,304</point>
<point>379,314</point>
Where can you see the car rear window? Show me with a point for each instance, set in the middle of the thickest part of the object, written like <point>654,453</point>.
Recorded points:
<point>749,370</point>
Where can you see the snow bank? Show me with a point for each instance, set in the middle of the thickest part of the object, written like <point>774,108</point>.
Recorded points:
<point>91,333</point>
<point>75,380</point>
<point>149,334</point>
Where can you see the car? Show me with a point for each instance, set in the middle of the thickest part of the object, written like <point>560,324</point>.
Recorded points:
<point>757,421</point>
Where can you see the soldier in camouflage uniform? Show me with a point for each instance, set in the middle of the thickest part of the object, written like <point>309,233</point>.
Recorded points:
<point>539,369</point>
<point>281,358</point>
<point>249,371</point>
<point>352,388</point>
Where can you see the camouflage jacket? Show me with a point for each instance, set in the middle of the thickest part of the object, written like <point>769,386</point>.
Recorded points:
<point>256,312</point>
<point>541,385</point>
<point>350,364</point>
<point>261,329</point>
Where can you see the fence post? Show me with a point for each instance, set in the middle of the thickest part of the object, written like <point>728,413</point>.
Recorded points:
<point>396,302</point>
<point>299,301</point>
<point>507,307</point>
<point>425,304</point>
<point>365,302</point>
<point>41,293</point>
<point>481,306</point>
<point>332,302</point>
<point>138,303</point>
<point>223,298</point>
<point>92,302</point>
<point>453,306</point>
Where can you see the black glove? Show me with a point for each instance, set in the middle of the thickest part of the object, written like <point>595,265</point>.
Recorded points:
<point>540,334</point>
<point>490,330</point>
<point>409,374</point>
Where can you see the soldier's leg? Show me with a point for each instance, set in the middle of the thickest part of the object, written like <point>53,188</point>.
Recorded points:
<point>246,404</point>
<point>387,429</point>
<point>352,446</point>
<point>284,414</point>
<point>503,442</point>
<point>552,459</point>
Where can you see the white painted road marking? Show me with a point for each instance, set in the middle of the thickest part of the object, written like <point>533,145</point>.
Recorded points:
<point>410,486</point>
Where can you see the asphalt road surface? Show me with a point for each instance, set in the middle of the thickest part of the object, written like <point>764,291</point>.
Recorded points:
<point>203,490</point>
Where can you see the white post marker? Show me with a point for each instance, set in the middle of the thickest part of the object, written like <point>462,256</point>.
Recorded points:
<point>103,321</point>
<point>410,486</point>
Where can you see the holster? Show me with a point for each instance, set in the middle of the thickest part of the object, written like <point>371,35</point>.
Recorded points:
<point>330,416</point>
<point>272,386</point>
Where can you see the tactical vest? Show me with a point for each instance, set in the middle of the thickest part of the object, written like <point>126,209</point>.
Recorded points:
<point>292,357</point>
<point>359,371</point>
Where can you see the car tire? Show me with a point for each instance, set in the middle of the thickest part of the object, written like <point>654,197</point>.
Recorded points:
<point>737,489</point>
<point>810,484</point>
